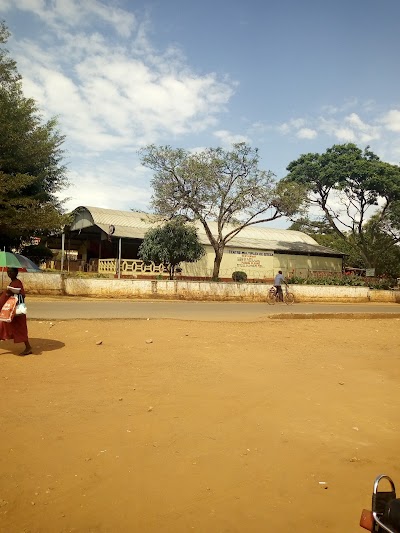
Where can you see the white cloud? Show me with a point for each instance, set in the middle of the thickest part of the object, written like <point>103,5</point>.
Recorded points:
<point>113,93</point>
<point>226,138</point>
<point>350,128</point>
<point>368,105</point>
<point>284,128</point>
<point>330,109</point>
<point>122,95</point>
<point>23,5</point>
<point>343,107</point>
<point>292,125</point>
<point>352,121</point>
<point>306,133</point>
<point>108,184</point>
<point>391,120</point>
<point>363,132</point>
<point>61,14</point>
<point>344,134</point>
<point>259,128</point>
<point>336,129</point>
<point>298,128</point>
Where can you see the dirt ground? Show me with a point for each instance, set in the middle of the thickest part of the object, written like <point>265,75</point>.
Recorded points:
<point>174,426</point>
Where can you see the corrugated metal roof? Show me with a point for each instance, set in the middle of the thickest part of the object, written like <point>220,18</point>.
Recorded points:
<point>262,234</point>
<point>134,225</point>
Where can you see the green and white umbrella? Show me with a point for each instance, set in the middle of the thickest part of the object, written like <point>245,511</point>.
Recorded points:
<point>22,263</point>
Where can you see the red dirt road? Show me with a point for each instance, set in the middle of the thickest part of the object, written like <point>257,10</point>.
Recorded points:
<point>211,427</point>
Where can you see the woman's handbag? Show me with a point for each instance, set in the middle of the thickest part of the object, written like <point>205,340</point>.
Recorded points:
<point>21,307</point>
<point>7,312</point>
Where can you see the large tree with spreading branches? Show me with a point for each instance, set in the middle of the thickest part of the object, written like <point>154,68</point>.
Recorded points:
<point>225,190</point>
<point>356,194</point>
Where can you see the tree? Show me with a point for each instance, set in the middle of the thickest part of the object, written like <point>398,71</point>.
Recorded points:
<point>38,253</point>
<point>31,169</point>
<point>390,222</point>
<point>383,251</point>
<point>314,228</point>
<point>171,244</point>
<point>8,67</point>
<point>348,186</point>
<point>322,232</point>
<point>214,185</point>
<point>383,248</point>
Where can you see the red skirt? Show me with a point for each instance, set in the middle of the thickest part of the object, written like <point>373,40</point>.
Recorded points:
<point>17,329</point>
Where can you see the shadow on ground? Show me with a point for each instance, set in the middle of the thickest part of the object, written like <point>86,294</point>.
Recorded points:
<point>39,346</point>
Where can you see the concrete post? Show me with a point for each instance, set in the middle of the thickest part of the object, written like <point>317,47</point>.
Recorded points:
<point>119,257</point>
<point>62,251</point>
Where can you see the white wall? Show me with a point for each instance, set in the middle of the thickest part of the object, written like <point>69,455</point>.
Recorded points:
<point>42,283</point>
<point>194,290</point>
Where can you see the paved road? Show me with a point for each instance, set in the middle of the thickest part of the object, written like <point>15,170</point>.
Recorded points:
<point>66,309</point>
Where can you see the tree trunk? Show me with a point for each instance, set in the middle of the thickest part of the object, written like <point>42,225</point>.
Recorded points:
<point>219,252</point>
<point>364,254</point>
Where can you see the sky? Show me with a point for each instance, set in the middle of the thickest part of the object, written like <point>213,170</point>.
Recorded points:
<point>288,77</point>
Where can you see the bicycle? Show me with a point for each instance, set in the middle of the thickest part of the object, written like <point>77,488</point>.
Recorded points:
<point>273,296</point>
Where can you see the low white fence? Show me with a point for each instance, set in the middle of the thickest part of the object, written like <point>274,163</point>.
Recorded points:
<point>57,284</point>
<point>129,266</point>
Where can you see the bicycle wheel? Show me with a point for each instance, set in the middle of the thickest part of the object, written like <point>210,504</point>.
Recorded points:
<point>288,298</point>
<point>271,298</point>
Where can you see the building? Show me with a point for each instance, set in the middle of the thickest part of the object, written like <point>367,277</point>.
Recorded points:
<point>107,241</point>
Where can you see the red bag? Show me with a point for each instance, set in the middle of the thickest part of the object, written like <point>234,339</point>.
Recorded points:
<point>8,310</point>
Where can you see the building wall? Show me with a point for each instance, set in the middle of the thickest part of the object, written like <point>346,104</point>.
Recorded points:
<point>301,265</point>
<point>259,264</point>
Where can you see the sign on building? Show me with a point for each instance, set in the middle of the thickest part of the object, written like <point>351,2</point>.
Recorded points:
<point>246,259</point>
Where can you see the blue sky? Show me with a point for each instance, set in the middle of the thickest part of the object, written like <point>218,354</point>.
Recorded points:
<point>288,77</point>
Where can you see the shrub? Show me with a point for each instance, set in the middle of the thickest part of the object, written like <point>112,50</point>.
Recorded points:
<point>350,281</point>
<point>382,284</point>
<point>239,276</point>
<point>37,253</point>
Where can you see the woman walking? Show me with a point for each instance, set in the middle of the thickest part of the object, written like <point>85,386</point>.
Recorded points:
<point>17,329</point>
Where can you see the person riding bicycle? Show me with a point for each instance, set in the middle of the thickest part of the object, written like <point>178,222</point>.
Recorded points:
<point>279,279</point>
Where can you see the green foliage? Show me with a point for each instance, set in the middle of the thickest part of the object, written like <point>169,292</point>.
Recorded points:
<point>351,280</point>
<point>8,67</point>
<point>321,231</point>
<point>171,244</point>
<point>314,228</point>
<point>343,280</point>
<point>239,276</point>
<point>383,249</point>
<point>37,253</point>
<point>31,170</point>
<point>84,275</point>
<point>218,186</point>
<point>364,186</point>
<point>382,284</point>
<point>390,222</point>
